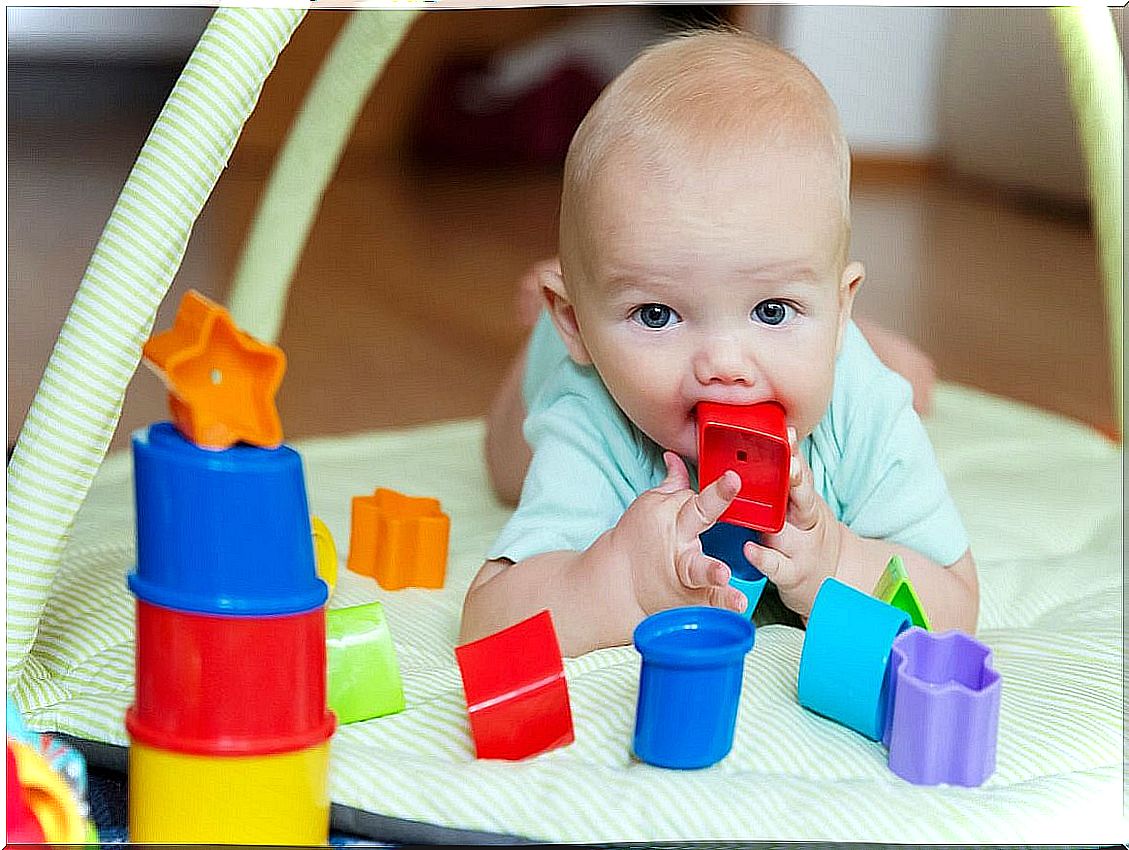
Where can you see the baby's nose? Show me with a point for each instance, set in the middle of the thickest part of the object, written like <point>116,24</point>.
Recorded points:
<point>722,360</point>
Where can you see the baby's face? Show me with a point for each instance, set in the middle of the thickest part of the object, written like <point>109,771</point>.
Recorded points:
<point>723,283</point>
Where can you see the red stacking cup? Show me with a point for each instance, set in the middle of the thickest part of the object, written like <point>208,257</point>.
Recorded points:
<point>224,685</point>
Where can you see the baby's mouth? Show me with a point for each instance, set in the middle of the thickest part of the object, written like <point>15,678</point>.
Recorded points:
<point>690,417</point>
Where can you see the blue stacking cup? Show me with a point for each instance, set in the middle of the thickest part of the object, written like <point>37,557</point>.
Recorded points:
<point>726,542</point>
<point>221,532</point>
<point>845,662</point>
<point>690,685</point>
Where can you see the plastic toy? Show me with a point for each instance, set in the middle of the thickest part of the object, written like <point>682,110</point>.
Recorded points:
<point>40,806</point>
<point>945,709</point>
<point>399,540</point>
<point>223,532</point>
<point>229,731</point>
<point>516,692</point>
<point>844,665</point>
<point>14,726</point>
<point>21,824</point>
<point>46,787</point>
<point>753,591</point>
<point>198,674</point>
<point>753,441</point>
<point>894,588</point>
<point>221,381</point>
<point>364,676</point>
<point>325,553</point>
<point>689,685</point>
<point>278,798</point>
<point>726,542</point>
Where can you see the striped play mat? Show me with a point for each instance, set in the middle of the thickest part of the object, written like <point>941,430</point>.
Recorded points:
<point>1041,497</point>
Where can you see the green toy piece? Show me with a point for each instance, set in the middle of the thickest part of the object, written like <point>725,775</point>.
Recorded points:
<point>363,674</point>
<point>894,588</point>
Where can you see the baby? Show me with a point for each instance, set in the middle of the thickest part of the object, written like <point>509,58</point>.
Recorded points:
<point>704,240</point>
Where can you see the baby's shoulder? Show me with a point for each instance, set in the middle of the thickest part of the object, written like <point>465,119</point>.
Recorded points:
<point>572,404</point>
<point>866,392</point>
<point>866,398</point>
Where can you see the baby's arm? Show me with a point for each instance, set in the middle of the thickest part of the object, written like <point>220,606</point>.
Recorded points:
<point>950,593</point>
<point>589,604</point>
<point>507,453</point>
<point>650,560</point>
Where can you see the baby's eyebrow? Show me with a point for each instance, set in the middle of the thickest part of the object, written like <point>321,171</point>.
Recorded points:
<point>792,272</point>
<point>625,281</point>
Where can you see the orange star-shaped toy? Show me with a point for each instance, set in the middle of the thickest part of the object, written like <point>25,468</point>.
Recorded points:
<point>221,380</point>
<point>399,540</point>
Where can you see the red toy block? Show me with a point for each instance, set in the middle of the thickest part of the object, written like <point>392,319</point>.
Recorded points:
<point>516,692</point>
<point>752,440</point>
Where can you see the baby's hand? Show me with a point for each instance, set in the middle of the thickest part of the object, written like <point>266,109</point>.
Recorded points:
<point>658,536</point>
<point>806,551</point>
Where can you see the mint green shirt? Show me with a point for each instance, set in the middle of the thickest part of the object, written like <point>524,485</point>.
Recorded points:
<point>872,460</point>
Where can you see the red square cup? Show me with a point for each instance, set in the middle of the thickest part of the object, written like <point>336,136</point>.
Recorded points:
<point>516,692</point>
<point>752,440</point>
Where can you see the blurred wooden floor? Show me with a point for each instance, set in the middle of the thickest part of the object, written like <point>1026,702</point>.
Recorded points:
<point>401,311</point>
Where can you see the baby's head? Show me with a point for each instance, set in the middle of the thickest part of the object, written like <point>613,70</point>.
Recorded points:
<point>704,236</point>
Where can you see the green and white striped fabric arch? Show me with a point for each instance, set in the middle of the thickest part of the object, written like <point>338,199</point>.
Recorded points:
<point>1096,76</point>
<point>79,399</point>
<point>304,168</point>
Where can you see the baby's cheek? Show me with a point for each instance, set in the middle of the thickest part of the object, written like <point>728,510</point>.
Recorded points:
<point>806,403</point>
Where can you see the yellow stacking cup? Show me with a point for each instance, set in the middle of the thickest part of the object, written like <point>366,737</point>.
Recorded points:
<point>182,798</point>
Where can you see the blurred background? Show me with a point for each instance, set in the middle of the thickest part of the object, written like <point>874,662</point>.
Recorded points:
<point>969,196</point>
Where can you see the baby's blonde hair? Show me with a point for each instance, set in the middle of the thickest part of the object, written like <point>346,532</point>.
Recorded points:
<point>695,94</point>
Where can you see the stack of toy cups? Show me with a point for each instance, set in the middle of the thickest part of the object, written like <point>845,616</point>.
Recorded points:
<point>229,730</point>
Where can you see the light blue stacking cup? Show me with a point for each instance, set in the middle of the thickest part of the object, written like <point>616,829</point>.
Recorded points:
<point>690,685</point>
<point>222,532</point>
<point>726,542</point>
<point>845,663</point>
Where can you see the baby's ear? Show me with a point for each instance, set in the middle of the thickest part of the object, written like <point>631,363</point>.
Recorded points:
<point>563,313</point>
<point>853,276</point>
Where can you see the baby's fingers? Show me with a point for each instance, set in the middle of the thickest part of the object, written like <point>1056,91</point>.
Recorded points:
<point>703,510</point>
<point>727,597</point>
<point>777,567</point>
<point>677,478</point>
<point>696,570</point>
<point>803,507</point>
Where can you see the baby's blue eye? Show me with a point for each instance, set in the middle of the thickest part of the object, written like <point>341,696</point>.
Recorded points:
<point>773,312</point>
<point>655,316</point>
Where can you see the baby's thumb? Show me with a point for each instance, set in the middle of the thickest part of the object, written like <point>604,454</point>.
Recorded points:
<point>677,478</point>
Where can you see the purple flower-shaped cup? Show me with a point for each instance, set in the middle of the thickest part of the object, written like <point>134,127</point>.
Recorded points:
<point>945,709</point>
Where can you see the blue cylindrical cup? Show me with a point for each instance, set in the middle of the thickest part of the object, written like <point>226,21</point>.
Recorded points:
<point>221,532</point>
<point>845,662</point>
<point>726,542</point>
<point>690,685</point>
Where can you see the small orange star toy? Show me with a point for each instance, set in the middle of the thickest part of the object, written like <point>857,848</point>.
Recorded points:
<point>221,380</point>
<point>399,540</point>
